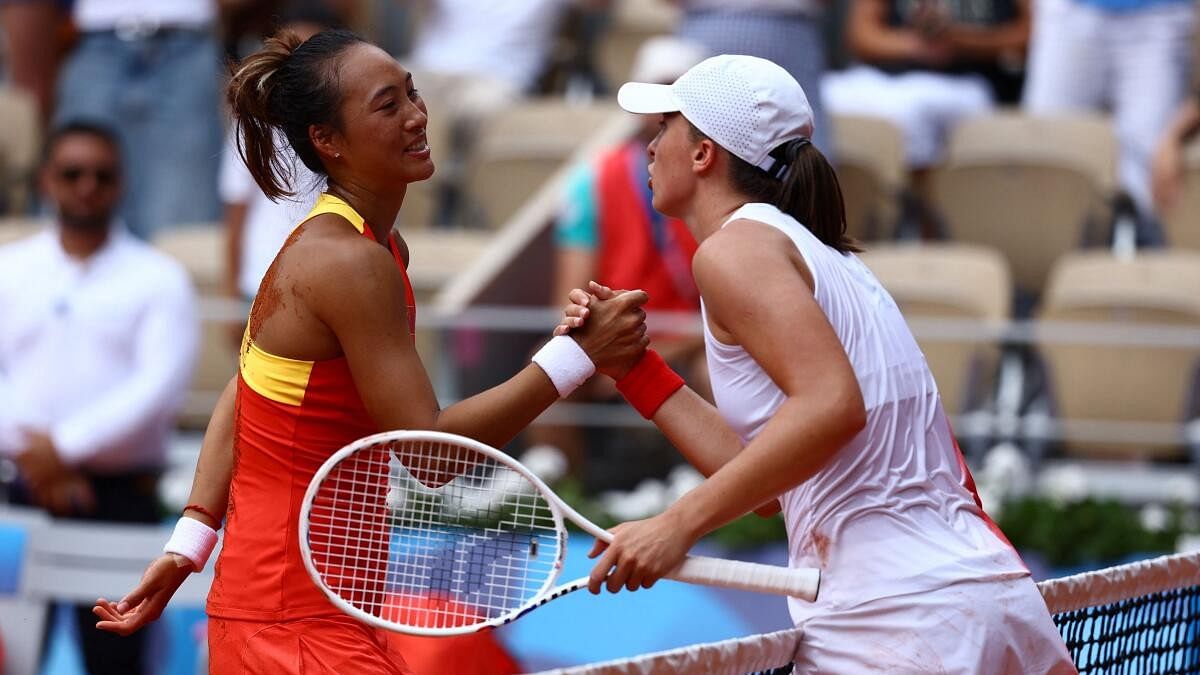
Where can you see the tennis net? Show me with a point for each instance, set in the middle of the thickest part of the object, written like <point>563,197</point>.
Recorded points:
<point>1141,618</point>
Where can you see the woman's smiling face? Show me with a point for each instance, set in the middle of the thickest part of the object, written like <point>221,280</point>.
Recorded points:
<point>382,119</point>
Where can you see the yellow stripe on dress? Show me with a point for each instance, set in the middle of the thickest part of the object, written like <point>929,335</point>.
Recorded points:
<point>277,378</point>
<point>327,203</point>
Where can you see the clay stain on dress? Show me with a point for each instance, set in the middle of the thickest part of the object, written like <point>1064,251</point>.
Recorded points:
<point>820,542</point>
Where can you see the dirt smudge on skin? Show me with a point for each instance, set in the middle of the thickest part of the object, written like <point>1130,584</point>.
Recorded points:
<point>270,297</point>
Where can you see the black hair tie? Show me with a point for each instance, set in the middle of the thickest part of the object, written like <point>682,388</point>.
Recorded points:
<point>785,154</point>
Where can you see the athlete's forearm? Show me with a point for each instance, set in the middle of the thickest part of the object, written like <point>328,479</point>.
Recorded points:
<point>695,427</point>
<point>214,468</point>
<point>800,438</point>
<point>497,415</point>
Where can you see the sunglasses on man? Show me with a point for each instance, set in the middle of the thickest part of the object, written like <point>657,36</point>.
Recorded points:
<point>105,176</point>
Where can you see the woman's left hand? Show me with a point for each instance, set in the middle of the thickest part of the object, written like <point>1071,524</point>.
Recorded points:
<point>145,603</point>
<point>641,553</point>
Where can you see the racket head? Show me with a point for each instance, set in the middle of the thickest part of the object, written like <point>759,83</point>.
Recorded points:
<point>424,546</point>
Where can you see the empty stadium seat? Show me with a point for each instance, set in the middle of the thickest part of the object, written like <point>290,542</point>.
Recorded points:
<point>872,174</point>
<point>1028,186</point>
<point>200,249</point>
<point>1119,381</point>
<point>633,22</point>
<point>522,146</point>
<point>949,281</point>
<point>20,147</point>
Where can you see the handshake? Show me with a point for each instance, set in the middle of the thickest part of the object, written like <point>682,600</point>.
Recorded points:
<point>609,326</point>
<point>604,331</point>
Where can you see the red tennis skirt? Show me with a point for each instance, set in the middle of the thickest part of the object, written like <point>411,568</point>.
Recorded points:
<point>332,644</point>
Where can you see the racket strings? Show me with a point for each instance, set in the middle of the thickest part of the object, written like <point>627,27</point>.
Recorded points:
<point>431,534</point>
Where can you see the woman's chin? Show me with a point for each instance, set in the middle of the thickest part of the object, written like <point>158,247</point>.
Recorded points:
<point>424,171</point>
<point>660,205</point>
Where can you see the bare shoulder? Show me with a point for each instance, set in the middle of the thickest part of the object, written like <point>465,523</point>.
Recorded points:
<point>329,263</point>
<point>741,246</point>
<point>327,246</point>
<point>747,257</point>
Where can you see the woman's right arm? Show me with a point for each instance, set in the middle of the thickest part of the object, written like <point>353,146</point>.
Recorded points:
<point>210,490</point>
<point>692,425</point>
<point>365,309</point>
<point>214,468</point>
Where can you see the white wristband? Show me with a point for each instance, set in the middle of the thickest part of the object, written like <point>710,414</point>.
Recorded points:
<point>565,362</point>
<point>193,540</point>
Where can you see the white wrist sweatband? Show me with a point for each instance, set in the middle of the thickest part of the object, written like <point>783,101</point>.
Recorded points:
<point>193,540</point>
<point>565,362</point>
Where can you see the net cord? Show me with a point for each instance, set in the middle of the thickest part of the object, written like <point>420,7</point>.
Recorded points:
<point>1102,587</point>
<point>738,655</point>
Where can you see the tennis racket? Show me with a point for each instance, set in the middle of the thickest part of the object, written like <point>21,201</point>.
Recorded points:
<point>432,533</point>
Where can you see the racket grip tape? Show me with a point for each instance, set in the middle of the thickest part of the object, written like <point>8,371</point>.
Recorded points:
<point>800,583</point>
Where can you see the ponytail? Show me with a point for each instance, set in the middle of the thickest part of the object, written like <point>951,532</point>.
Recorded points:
<point>802,184</point>
<point>289,85</point>
<point>250,91</point>
<point>810,192</point>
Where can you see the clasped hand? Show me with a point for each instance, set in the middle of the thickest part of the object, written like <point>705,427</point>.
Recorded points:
<point>611,328</point>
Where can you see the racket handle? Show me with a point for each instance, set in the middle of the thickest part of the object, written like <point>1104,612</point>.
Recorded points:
<point>746,576</point>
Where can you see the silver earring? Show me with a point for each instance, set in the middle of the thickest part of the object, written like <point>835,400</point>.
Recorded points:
<point>337,155</point>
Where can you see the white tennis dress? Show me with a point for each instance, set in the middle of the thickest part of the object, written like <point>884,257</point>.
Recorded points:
<point>916,578</point>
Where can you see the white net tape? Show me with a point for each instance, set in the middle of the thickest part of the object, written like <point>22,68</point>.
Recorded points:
<point>1106,586</point>
<point>729,657</point>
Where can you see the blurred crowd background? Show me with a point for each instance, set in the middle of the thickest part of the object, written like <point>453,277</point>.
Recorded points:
<point>1023,174</point>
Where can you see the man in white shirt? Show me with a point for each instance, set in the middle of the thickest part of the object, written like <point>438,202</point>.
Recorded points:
<point>97,345</point>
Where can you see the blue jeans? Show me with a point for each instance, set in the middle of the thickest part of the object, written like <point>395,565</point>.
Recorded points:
<point>160,94</point>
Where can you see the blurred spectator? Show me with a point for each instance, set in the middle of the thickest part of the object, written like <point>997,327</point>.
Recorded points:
<point>787,32</point>
<point>1167,168</point>
<point>245,23</point>
<point>470,59</point>
<point>1130,56</point>
<point>501,46</point>
<point>97,347</point>
<point>32,44</point>
<point>255,226</point>
<point>926,64</point>
<point>609,231</point>
<point>150,70</point>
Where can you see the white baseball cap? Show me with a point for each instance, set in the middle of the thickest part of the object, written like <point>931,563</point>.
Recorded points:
<point>748,105</point>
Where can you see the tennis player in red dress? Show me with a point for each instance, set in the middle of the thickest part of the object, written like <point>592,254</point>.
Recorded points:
<point>328,357</point>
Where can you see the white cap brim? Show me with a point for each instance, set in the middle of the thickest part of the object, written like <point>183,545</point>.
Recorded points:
<point>647,99</point>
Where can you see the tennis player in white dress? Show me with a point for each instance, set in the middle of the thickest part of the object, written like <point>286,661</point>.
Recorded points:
<point>825,406</point>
